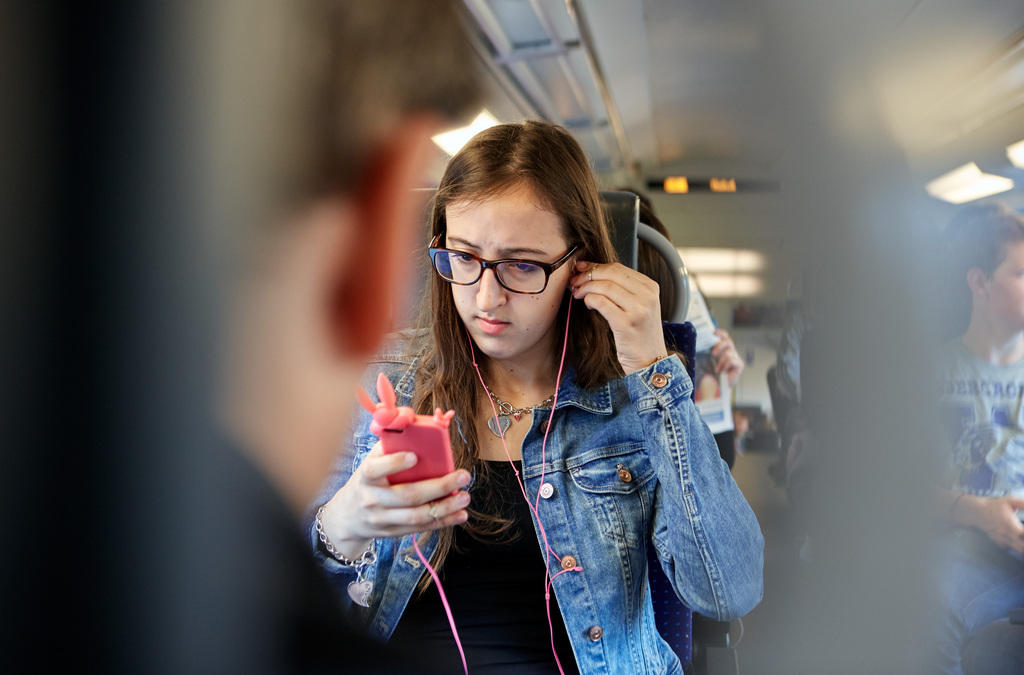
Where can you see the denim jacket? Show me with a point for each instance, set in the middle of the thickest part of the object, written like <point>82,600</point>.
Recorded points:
<point>631,465</point>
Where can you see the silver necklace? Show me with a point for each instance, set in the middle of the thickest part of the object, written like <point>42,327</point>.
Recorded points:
<point>507,412</point>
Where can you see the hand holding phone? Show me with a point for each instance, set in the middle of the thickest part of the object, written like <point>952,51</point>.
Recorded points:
<point>370,506</point>
<point>400,429</point>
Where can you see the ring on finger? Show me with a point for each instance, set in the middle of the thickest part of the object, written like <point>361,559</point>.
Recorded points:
<point>433,512</point>
<point>590,274</point>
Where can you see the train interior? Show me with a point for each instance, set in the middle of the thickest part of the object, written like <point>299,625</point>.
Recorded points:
<point>777,142</point>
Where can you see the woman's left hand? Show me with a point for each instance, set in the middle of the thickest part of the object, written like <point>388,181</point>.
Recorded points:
<point>629,302</point>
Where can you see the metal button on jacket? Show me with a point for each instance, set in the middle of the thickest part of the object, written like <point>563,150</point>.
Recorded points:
<point>624,475</point>
<point>546,490</point>
<point>595,633</point>
<point>659,380</point>
<point>568,562</point>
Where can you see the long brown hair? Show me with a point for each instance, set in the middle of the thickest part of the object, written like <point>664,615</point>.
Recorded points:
<point>546,158</point>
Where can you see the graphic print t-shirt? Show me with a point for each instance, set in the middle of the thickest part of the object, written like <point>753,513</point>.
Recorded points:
<point>983,414</point>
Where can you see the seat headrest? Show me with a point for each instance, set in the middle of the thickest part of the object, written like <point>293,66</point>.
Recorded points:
<point>622,210</point>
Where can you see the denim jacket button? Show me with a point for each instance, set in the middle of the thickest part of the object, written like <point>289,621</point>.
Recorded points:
<point>568,562</point>
<point>547,490</point>
<point>624,475</point>
<point>595,633</point>
<point>659,380</point>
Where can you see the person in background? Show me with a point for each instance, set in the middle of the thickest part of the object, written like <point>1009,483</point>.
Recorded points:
<point>794,466</point>
<point>724,356</point>
<point>981,563</point>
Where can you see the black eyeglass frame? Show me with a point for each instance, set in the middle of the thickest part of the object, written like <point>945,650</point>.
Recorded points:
<point>548,268</point>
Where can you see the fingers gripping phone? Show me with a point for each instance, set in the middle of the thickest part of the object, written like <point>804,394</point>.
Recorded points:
<point>400,429</point>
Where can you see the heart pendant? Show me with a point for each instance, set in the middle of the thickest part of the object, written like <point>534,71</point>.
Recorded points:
<point>505,423</point>
<point>359,591</point>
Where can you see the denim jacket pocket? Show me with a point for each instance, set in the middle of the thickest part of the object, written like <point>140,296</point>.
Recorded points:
<point>617,483</point>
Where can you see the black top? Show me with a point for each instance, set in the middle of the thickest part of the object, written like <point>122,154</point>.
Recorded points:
<point>496,592</point>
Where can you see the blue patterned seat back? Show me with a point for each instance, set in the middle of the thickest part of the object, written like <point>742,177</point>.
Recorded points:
<point>673,618</point>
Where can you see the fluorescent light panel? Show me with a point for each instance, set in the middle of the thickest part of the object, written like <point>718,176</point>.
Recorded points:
<point>722,259</point>
<point>730,285</point>
<point>1016,154</point>
<point>967,183</point>
<point>452,141</point>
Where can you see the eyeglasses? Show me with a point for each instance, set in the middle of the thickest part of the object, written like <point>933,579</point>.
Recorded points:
<point>514,274</point>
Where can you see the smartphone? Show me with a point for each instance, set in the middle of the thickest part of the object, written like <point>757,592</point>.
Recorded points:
<point>402,430</point>
<point>428,438</point>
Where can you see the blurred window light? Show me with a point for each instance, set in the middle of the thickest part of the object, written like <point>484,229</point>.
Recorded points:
<point>722,259</point>
<point>730,285</point>
<point>967,183</point>
<point>1016,154</point>
<point>452,141</point>
<point>676,185</point>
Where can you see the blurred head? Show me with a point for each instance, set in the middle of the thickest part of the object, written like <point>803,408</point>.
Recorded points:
<point>321,121</point>
<point>986,247</point>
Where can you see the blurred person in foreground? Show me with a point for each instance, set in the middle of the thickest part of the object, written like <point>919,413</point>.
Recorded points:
<point>195,195</point>
<point>323,117</point>
<point>981,562</point>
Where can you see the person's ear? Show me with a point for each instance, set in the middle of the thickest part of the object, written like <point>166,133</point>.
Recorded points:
<point>977,281</point>
<point>384,210</point>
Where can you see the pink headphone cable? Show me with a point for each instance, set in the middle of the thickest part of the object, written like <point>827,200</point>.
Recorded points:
<point>548,579</point>
<point>444,601</point>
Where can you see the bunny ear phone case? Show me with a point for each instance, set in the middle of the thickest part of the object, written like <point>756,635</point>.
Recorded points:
<point>400,429</point>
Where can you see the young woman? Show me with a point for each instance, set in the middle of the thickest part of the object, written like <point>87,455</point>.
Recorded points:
<point>524,268</point>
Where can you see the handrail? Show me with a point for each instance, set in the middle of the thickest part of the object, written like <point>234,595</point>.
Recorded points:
<point>664,247</point>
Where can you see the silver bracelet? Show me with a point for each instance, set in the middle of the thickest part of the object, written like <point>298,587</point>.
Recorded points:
<point>369,556</point>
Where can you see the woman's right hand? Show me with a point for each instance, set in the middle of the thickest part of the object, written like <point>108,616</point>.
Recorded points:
<point>367,507</point>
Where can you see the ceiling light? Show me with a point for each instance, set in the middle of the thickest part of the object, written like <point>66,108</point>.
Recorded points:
<point>730,285</point>
<point>676,185</point>
<point>452,141</point>
<point>1016,154</point>
<point>967,183</point>
<point>721,259</point>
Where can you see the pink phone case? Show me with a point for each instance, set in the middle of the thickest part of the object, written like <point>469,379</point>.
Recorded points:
<point>402,430</point>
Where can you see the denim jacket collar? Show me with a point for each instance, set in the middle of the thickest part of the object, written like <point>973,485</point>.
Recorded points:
<point>597,400</point>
